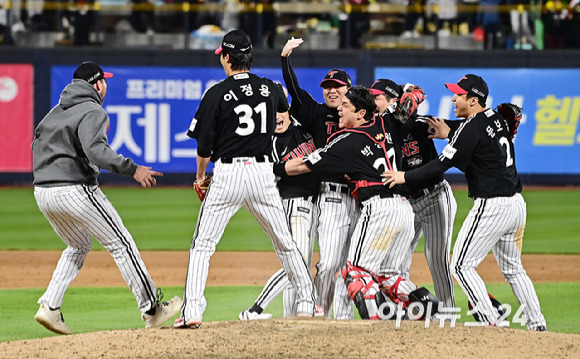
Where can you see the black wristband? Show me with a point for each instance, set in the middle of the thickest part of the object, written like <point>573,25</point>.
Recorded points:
<point>280,169</point>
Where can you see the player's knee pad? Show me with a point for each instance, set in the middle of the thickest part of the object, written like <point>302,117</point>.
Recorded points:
<point>364,291</point>
<point>422,304</point>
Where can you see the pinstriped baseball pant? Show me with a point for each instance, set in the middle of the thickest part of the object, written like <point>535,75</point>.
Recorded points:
<point>382,237</point>
<point>338,213</point>
<point>434,216</point>
<point>252,185</point>
<point>495,224</point>
<point>76,213</point>
<point>301,216</point>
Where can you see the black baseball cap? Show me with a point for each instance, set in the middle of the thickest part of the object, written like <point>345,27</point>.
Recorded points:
<point>336,75</point>
<point>91,72</point>
<point>235,41</point>
<point>470,84</point>
<point>385,86</point>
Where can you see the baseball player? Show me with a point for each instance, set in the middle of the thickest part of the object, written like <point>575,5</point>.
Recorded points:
<point>385,227</point>
<point>482,147</point>
<point>70,147</point>
<point>233,127</point>
<point>338,210</point>
<point>298,197</point>
<point>432,199</point>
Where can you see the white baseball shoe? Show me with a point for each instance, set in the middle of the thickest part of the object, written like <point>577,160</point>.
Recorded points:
<point>51,319</point>
<point>163,312</point>
<point>247,315</point>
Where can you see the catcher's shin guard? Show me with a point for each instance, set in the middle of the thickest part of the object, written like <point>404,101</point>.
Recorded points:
<point>422,304</point>
<point>364,291</point>
<point>396,288</point>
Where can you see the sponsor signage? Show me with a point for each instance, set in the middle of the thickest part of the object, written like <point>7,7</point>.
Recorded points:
<point>151,108</point>
<point>548,139</point>
<point>16,117</point>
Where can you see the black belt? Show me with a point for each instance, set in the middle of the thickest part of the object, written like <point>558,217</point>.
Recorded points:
<point>337,188</point>
<point>422,192</point>
<point>230,160</point>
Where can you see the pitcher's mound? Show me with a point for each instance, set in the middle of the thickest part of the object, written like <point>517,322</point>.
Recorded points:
<point>303,338</point>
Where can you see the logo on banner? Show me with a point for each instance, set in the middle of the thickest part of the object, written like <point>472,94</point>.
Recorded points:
<point>8,89</point>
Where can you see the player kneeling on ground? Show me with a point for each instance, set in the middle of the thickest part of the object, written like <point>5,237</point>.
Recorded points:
<point>375,299</point>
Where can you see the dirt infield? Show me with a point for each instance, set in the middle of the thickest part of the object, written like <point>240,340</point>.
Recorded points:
<point>303,339</point>
<point>231,268</point>
<point>287,338</point>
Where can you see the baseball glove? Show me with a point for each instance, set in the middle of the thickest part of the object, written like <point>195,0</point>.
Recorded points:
<point>201,188</point>
<point>410,100</point>
<point>512,114</point>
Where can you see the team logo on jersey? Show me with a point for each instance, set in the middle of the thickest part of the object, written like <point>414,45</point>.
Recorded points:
<point>192,124</point>
<point>379,136</point>
<point>449,152</point>
<point>415,161</point>
<point>314,157</point>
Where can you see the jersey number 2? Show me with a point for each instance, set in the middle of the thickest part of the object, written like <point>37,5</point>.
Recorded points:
<point>381,163</point>
<point>509,160</point>
<point>246,117</point>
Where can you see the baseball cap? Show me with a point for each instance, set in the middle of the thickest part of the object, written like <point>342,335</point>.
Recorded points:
<point>385,86</point>
<point>470,84</point>
<point>91,72</point>
<point>235,41</point>
<point>336,75</point>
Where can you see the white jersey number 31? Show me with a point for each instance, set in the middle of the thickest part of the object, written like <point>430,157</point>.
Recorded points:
<point>246,118</point>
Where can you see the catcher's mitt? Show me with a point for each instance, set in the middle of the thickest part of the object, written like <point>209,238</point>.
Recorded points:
<point>410,100</point>
<point>512,114</point>
<point>201,188</point>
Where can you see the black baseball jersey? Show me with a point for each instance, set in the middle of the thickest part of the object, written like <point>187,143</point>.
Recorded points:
<point>237,117</point>
<point>418,149</point>
<point>317,118</point>
<point>295,143</point>
<point>363,159</point>
<point>480,147</point>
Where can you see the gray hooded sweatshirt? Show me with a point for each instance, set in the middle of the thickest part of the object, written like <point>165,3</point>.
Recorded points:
<point>70,144</point>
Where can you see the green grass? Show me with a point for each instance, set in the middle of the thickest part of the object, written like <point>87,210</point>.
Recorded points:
<point>99,309</point>
<point>164,219</point>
